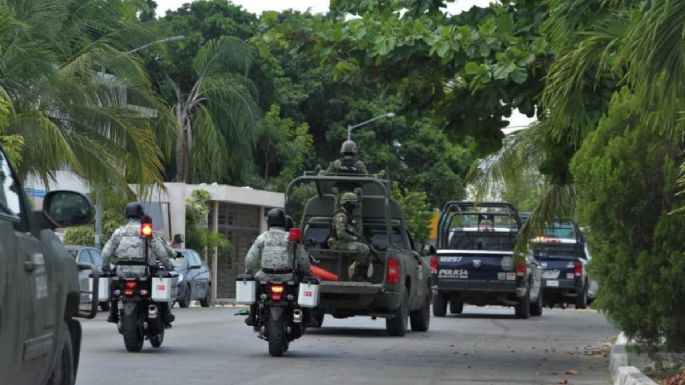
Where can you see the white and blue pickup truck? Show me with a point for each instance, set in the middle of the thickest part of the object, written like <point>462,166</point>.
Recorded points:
<point>475,261</point>
<point>563,255</point>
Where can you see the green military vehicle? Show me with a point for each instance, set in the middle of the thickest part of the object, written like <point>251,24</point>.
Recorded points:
<point>400,285</point>
<point>39,286</point>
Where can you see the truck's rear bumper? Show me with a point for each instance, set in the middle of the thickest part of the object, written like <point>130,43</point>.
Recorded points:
<point>352,288</point>
<point>476,288</point>
<point>357,298</point>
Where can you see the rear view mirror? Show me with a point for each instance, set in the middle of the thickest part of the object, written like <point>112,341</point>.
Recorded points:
<point>67,208</point>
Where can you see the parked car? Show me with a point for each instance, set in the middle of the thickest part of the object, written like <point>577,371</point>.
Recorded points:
<point>195,282</point>
<point>89,256</point>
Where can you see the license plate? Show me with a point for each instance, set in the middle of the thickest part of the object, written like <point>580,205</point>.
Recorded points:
<point>552,283</point>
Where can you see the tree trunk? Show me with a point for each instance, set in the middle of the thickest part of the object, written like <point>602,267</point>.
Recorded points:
<point>182,150</point>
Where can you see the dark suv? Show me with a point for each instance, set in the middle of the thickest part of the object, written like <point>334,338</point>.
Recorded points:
<point>40,340</point>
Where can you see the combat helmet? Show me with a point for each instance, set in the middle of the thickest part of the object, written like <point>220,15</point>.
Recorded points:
<point>348,148</point>
<point>349,201</point>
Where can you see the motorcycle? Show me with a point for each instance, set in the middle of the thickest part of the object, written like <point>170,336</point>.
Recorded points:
<point>141,291</point>
<point>280,317</point>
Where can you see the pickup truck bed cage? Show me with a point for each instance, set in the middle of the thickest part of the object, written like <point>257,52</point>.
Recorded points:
<point>453,209</point>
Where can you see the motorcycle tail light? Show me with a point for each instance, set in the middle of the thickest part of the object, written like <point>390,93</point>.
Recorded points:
<point>276,292</point>
<point>131,284</point>
<point>128,292</point>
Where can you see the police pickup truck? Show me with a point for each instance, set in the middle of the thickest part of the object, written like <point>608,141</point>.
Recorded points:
<point>563,255</point>
<point>40,339</point>
<point>399,283</point>
<point>475,262</point>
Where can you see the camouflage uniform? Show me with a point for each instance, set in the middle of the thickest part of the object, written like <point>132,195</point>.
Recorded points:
<point>343,230</point>
<point>273,251</point>
<point>127,245</point>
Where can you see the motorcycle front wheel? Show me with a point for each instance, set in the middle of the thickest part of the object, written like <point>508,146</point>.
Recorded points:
<point>276,335</point>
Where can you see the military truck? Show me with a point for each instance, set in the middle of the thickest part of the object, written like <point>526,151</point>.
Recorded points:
<point>39,285</point>
<point>400,285</point>
<point>476,264</point>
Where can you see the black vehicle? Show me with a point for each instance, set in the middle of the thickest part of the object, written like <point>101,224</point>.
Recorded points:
<point>136,287</point>
<point>476,264</point>
<point>562,253</point>
<point>40,337</point>
<point>89,256</point>
<point>194,279</point>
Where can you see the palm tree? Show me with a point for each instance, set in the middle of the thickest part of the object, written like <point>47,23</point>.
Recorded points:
<point>216,117</point>
<point>78,99</point>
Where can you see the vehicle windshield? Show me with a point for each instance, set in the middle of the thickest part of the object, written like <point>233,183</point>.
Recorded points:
<point>563,230</point>
<point>555,253</point>
<point>482,241</point>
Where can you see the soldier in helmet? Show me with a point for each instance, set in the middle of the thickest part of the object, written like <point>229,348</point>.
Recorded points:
<point>345,233</point>
<point>271,255</point>
<point>127,245</point>
<point>348,164</point>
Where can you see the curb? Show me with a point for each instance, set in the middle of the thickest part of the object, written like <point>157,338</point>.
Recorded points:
<point>621,372</point>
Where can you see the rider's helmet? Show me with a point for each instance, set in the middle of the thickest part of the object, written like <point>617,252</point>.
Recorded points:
<point>134,210</point>
<point>348,148</point>
<point>275,217</point>
<point>289,222</point>
<point>349,201</point>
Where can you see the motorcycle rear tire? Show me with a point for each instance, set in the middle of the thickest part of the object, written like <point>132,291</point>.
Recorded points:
<point>276,334</point>
<point>133,338</point>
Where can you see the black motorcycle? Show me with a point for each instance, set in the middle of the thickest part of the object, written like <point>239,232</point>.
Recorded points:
<point>143,293</point>
<point>278,317</point>
<point>140,316</point>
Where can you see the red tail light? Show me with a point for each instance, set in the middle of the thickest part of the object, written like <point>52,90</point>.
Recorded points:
<point>434,263</point>
<point>276,292</point>
<point>146,230</point>
<point>578,269</point>
<point>392,275</point>
<point>129,292</point>
<point>131,284</point>
<point>521,268</point>
<point>295,234</point>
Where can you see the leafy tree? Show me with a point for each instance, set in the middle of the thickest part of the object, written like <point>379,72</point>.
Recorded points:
<point>79,97</point>
<point>626,178</point>
<point>215,116</point>
<point>416,210</point>
<point>198,235</point>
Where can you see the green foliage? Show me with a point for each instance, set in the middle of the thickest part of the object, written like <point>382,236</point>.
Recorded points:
<point>198,235</point>
<point>416,210</point>
<point>71,81</point>
<point>112,218</point>
<point>626,179</point>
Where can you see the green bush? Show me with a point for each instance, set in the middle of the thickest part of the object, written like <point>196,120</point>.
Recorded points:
<point>626,175</point>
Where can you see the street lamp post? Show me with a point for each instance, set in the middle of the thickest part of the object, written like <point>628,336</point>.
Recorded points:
<point>350,128</point>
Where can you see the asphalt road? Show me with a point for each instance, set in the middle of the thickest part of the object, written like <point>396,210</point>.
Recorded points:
<point>482,346</point>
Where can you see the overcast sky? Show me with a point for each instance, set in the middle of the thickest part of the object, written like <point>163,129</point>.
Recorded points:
<point>320,6</point>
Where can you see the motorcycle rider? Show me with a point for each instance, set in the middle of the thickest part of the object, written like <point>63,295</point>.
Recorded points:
<point>270,256</point>
<point>127,245</point>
